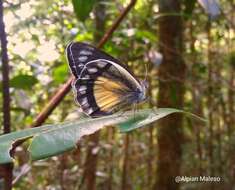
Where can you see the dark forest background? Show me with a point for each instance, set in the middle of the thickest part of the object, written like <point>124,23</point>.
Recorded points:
<point>188,47</point>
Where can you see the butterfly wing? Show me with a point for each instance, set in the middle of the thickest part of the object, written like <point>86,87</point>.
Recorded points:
<point>102,83</point>
<point>79,54</point>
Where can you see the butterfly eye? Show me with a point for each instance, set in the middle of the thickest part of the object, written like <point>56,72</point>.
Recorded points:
<point>144,84</point>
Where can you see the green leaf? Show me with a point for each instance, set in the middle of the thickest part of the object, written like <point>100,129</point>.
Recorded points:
<point>6,141</point>
<point>82,8</point>
<point>60,73</point>
<point>145,117</point>
<point>189,7</point>
<point>51,140</point>
<point>66,136</point>
<point>148,116</point>
<point>141,34</point>
<point>5,148</point>
<point>23,81</point>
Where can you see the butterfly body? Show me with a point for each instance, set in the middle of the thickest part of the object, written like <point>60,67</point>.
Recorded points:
<point>102,84</point>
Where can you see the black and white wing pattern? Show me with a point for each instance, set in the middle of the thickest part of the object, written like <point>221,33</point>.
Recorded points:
<point>102,83</point>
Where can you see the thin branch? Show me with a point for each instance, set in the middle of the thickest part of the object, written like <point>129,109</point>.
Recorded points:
<point>53,103</point>
<point>108,34</point>
<point>24,170</point>
<point>6,94</point>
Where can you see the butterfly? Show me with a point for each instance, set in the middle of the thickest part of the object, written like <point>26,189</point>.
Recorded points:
<point>102,84</point>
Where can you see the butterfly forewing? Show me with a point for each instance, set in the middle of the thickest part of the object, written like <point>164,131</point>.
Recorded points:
<point>79,54</point>
<point>102,83</point>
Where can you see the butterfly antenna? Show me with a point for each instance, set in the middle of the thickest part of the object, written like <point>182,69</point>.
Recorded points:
<point>146,72</point>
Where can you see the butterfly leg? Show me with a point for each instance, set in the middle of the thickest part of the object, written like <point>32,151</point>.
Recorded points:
<point>155,109</point>
<point>134,109</point>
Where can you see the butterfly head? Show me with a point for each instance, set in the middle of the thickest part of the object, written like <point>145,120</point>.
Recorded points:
<point>141,93</point>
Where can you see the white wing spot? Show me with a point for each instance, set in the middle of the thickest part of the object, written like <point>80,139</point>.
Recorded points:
<point>92,70</point>
<point>82,88</point>
<point>89,111</point>
<point>82,92</point>
<point>101,64</point>
<point>90,48</point>
<point>84,52</point>
<point>84,101</point>
<point>87,76</point>
<point>82,58</point>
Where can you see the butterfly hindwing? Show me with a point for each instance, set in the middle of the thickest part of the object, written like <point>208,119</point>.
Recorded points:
<point>99,91</point>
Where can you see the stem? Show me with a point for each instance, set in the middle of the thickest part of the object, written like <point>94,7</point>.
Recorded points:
<point>125,166</point>
<point>6,95</point>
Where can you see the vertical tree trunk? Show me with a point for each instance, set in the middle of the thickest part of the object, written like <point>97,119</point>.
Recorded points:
<point>92,157</point>
<point>210,104</point>
<point>231,96</point>
<point>197,106</point>
<point>197,127</point>
<point>150,157</point>
<point>61,171</point>
<point>111,140</point>
<point>6,96</point>
<point>125,168</point>
<point>231,118</point>
<point>91,162</point>
<point>219,134</point>
<point>171,93</point>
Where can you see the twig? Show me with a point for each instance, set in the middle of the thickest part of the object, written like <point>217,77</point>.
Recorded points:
<point>55,100</point>
<point>6,94</point>
<point>108,34</point>
<point>24,170</point>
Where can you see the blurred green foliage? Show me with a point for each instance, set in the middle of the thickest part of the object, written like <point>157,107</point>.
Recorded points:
<point>83,8</point>
<point>23,82</point>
